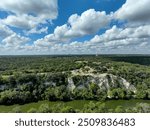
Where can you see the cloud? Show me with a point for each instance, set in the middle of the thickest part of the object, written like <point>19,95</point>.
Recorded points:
<point>27,14</point>
<point>47,8</point>
<point>115,33</point>
<point>24,21</point>
<point>10,39</point>
<point>113,38</point>
<point>15,40</point>
<point>37,31</point>
<point>57,37</point>
<point>64,38</point>
<point>122,40</point>
<point>89,22</point>
<point>137,11</point>
<point>127,36</point>
<point>5,31</point>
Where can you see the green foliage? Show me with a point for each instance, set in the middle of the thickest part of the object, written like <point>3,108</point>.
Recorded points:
<point>44,108</point>
<point>119,109</point>
<point>25,79</point>
<point>57,108</point>
<point>57,93</point>
<point>142,108</point>
<point>32,110</point>
<point>95,108</point>
<point>16,110</point>
<point>68,109</point>
<point>77,106</point>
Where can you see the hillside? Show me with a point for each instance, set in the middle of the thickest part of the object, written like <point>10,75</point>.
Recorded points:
<point>83,77</point>
<point>26,79</point>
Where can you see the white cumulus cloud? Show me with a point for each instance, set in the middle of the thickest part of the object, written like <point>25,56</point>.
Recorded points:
<point>135,11</point>
<point>5,31</point>
<point>28,13</point>
<point>89,22</point>
<point>15,40</point>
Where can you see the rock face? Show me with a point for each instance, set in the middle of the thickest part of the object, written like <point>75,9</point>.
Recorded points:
<point>105,81</point>
<point>71,84</point>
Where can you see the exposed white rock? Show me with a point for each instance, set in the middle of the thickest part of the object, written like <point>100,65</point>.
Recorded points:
<point>71,85</point>
<point>104,81</point>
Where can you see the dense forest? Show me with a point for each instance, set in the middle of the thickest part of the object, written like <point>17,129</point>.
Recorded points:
<point>28,79</point>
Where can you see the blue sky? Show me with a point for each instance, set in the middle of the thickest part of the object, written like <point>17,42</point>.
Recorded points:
<point>74,27</point>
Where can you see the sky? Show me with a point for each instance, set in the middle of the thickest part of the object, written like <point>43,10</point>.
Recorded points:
<point>49,27</point>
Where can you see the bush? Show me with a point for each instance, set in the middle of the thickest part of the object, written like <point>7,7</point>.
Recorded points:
<point>120,109</point>
<point>95,108</point>
<point>16,110</point>
<point>142,108</point>
<point>68,109</point>
<point>32,110</point>
<point>44,108</point>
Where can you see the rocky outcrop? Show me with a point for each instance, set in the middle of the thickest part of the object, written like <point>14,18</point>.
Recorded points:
<point>104,81</point>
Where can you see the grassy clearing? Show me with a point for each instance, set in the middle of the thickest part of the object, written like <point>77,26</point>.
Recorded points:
<point>78,104</point>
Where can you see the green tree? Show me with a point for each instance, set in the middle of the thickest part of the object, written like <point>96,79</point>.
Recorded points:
<point>142,108</point>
